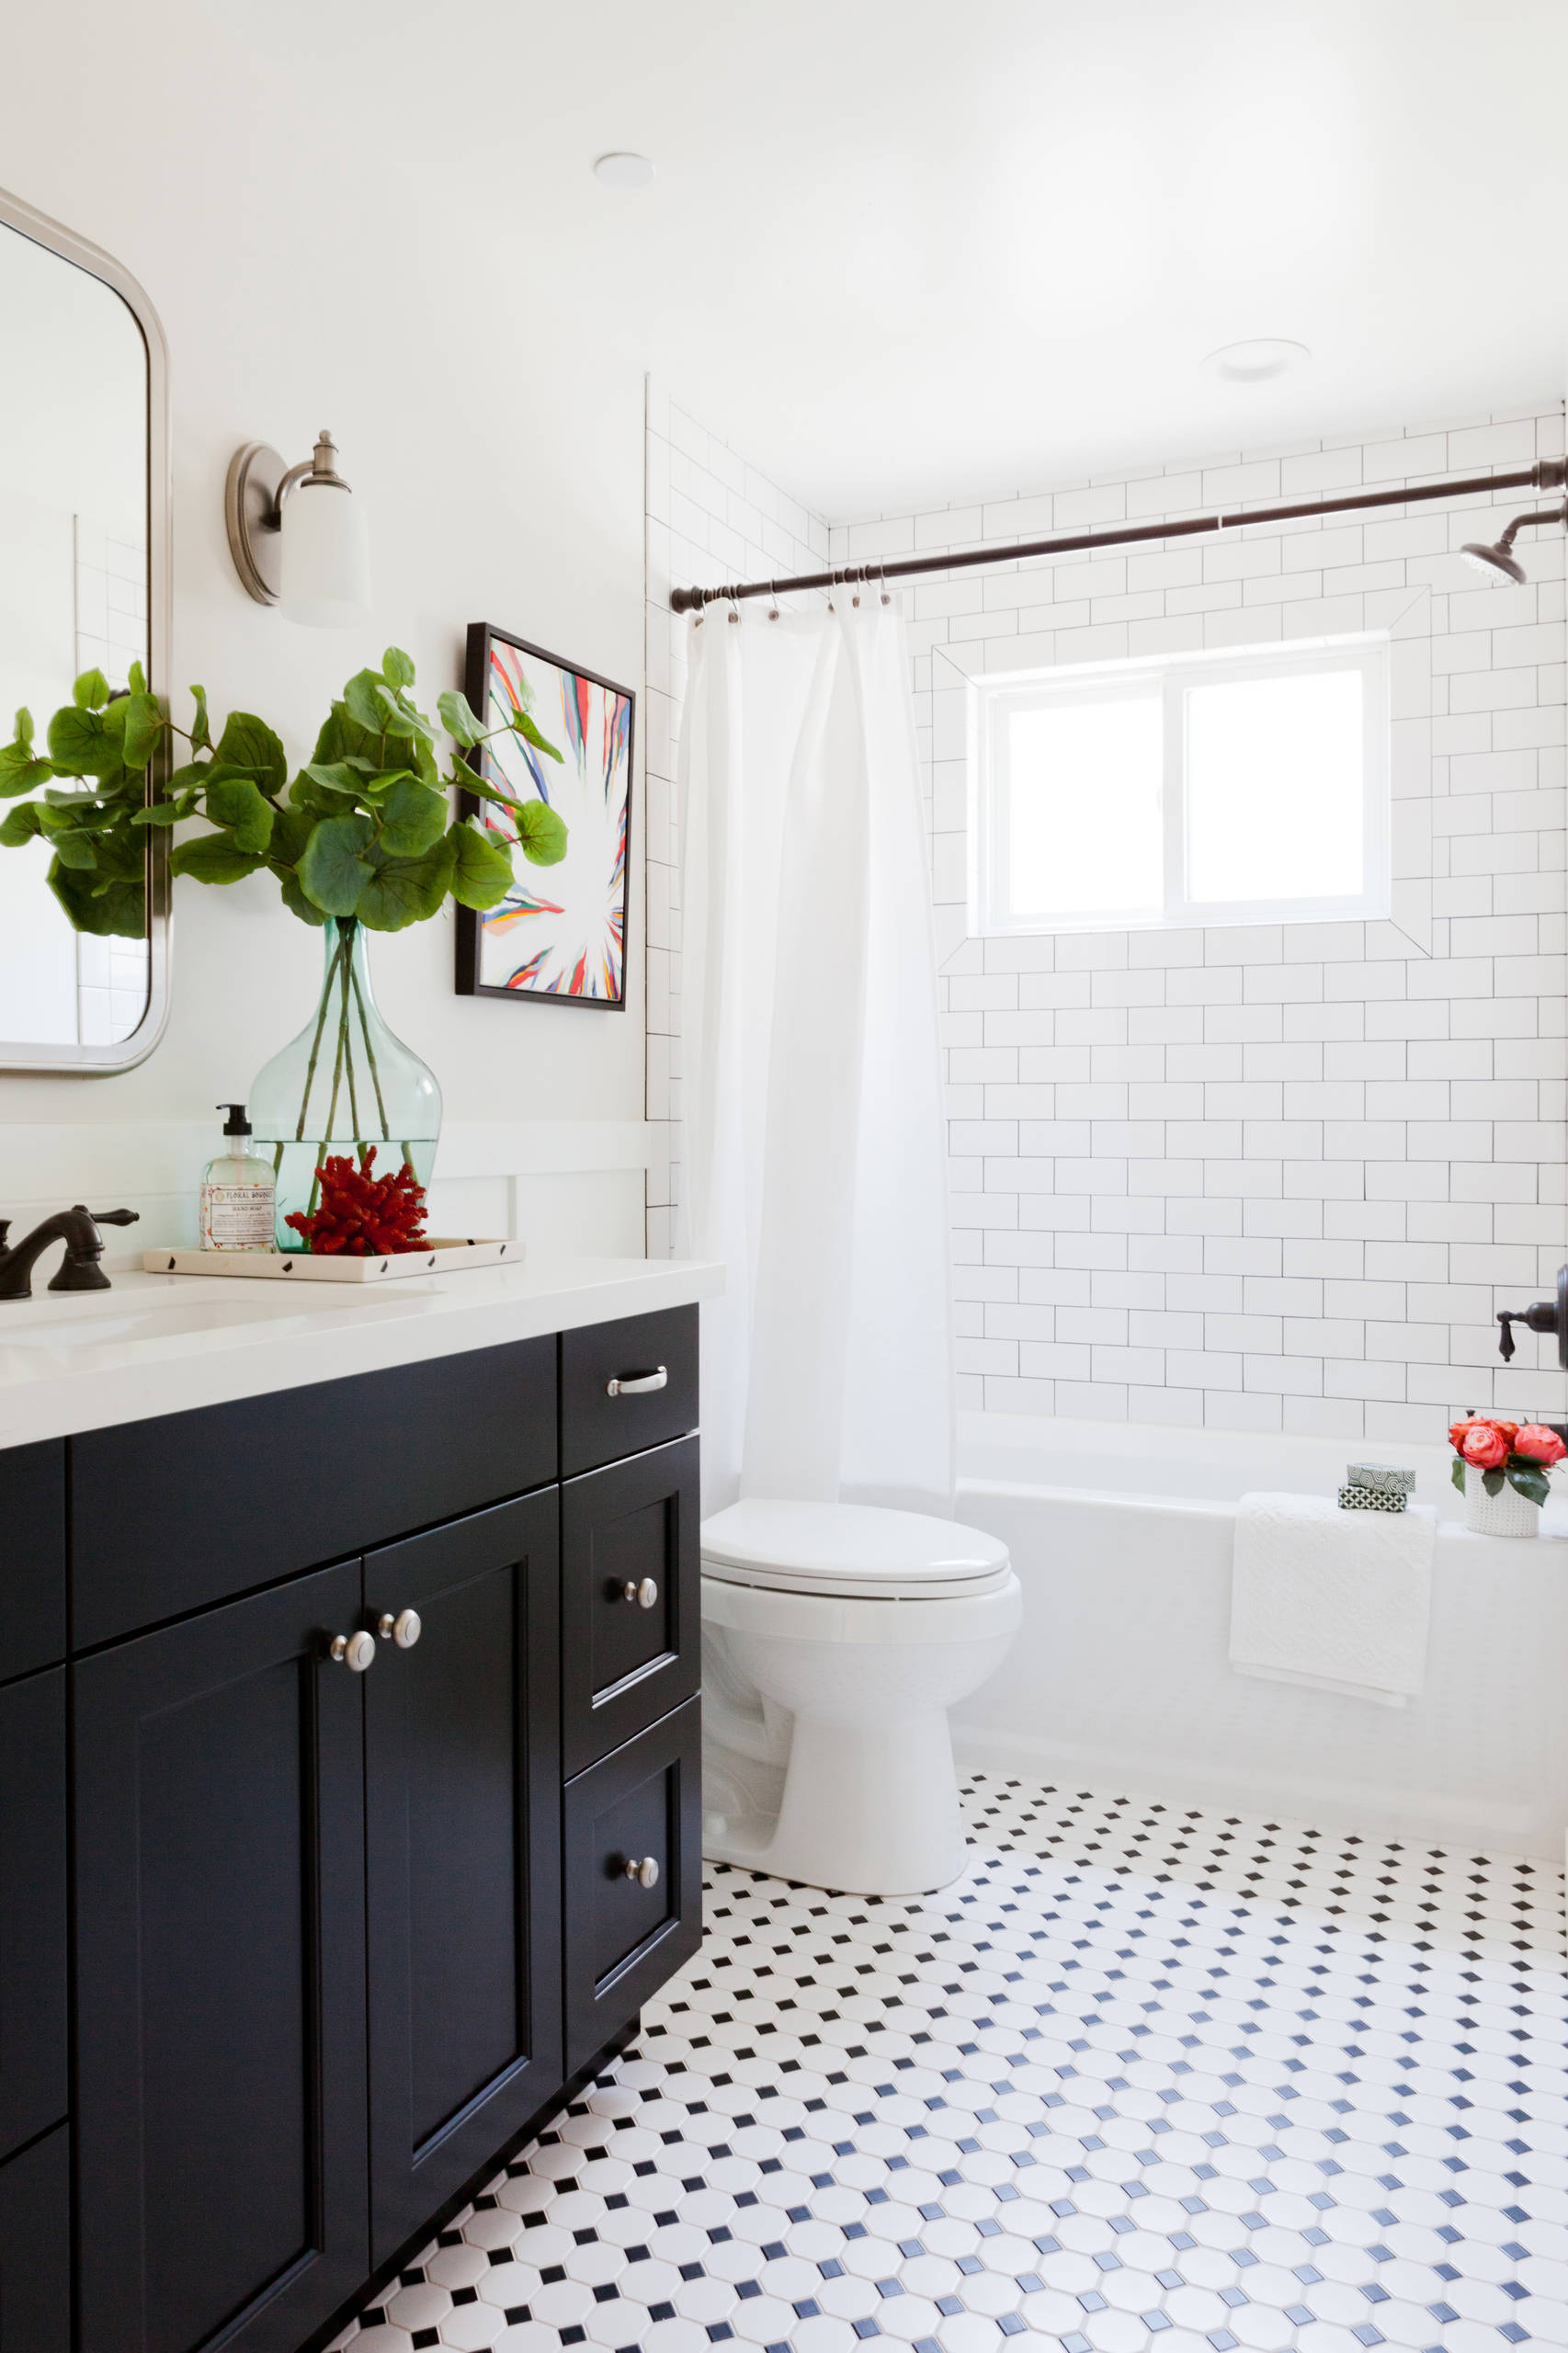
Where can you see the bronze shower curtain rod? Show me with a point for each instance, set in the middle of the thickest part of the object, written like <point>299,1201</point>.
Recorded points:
<point>1549,473</point>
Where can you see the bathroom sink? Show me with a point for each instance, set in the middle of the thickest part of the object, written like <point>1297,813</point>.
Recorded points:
<point>43,1324</point>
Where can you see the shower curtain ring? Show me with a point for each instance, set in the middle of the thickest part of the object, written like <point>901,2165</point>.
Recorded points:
<point>773,600</point>
<point>883,575</point>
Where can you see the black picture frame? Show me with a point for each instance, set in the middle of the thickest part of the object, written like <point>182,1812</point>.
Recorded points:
<point>481,637</point>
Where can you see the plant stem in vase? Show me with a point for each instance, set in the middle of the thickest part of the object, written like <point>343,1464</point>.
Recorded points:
<point>345,1084</point>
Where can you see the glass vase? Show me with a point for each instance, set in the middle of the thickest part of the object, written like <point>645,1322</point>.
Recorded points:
<point>345,1085</point>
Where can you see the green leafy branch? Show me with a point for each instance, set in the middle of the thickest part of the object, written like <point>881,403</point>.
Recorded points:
<point>362,832</point>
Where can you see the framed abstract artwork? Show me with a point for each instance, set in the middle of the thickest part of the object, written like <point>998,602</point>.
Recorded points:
<point>560,933</point>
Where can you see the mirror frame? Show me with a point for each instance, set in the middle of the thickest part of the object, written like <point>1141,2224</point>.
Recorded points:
<point>89,1062</point>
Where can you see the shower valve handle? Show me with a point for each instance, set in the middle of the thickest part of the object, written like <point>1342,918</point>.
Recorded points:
<point>1544,1315</point>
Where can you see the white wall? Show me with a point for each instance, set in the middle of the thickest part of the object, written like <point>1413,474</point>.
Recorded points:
<point>1268,1177</point>
<point>310,269</point>
<point>72,412</point>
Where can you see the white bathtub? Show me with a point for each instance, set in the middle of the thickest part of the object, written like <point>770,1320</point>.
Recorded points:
<point>1122,1538</point>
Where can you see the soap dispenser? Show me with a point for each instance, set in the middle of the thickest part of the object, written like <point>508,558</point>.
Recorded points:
<point>238,1191</point>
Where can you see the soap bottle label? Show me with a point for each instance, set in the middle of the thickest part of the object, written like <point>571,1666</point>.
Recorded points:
<point>237,1217</point>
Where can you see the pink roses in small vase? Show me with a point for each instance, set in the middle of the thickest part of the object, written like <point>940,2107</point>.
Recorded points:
<point>1519,1453</point>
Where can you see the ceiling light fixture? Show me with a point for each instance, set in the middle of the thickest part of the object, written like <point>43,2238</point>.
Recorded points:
<point>620,170</point>
<point>1256,362</point>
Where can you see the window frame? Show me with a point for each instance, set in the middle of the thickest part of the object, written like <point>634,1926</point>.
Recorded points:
<point>1168,676</point>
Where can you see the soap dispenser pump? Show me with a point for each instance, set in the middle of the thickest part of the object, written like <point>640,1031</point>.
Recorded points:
<point>238,1191</point>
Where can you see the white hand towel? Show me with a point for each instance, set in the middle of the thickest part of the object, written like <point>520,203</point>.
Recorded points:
<point>1337,1601</point>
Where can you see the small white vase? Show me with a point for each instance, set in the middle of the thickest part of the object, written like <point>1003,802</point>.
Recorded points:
<point>1507,1513</point>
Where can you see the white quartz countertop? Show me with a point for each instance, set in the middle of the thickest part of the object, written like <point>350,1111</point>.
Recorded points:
<point>165,1344</point>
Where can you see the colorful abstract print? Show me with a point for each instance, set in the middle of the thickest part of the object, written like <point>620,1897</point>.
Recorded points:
<point>561,930</point>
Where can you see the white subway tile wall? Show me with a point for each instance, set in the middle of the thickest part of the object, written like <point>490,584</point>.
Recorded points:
<point>1268,1177</point>
<point>112,602</point>
<point>709,517</point>
<point>1264,1178</point>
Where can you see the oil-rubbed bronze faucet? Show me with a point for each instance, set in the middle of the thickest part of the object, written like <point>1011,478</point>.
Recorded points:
<point>1545,1315</point>
<point>79,1269</point>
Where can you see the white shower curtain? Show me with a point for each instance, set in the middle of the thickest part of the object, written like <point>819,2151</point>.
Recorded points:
<point>814,1163</point>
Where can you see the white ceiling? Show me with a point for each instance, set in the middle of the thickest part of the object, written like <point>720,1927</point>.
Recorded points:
<point>906,251</point>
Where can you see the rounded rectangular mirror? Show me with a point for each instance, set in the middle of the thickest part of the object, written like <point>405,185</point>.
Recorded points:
<point>83,585</point>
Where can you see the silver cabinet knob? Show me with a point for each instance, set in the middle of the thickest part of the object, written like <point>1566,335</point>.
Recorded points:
<point>404,1628</point>
<point>638,1384</point>
<point>645,1872</point>
<point>356,1651</point>
<point>644,1594</point>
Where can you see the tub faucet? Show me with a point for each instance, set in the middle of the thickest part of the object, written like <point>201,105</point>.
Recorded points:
<point>79,1269</point>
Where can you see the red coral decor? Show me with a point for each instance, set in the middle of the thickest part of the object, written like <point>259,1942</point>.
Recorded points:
<point>362,1215</point>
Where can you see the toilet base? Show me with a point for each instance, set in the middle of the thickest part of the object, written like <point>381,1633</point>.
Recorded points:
<point>867,1808</point>
<point>826,1756</point>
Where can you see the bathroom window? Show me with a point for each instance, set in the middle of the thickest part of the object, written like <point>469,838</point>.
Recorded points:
<point>1248,786</point>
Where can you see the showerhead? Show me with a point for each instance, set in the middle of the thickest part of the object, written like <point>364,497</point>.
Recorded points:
<point>1493,564</point>
<point>1499,562</point>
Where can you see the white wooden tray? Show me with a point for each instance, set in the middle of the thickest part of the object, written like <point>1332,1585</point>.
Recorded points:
<point>441,1254</point>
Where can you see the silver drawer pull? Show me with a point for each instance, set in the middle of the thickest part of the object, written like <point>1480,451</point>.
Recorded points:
<point>403,1629</point>
<point>645,1592</point>
<point>638,1384</point>
<point>356,1651</point>
<point>646,1872</point>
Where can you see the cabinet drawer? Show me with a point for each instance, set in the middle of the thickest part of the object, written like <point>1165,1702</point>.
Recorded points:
<point>32,1561</point>
<point>602,1418</point>
<point>642,1805</point>
<point>35,2249</point>
<point>170,1515</point>
<point>32,1907</point>
<point>630,1599</point>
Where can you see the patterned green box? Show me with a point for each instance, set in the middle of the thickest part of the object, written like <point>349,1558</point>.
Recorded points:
<point>1357,1498</point>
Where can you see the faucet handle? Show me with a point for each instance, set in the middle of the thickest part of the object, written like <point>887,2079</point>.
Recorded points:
<point>1544,1315</point>
<point>113,1217</point>
<point>1541,1317</point>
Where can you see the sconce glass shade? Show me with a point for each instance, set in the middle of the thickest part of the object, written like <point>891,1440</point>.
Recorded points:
<point>325,575</point>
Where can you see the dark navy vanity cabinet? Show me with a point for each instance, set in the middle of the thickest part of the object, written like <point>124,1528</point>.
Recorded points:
<point>291,1950</point>
<point>35,2156</point>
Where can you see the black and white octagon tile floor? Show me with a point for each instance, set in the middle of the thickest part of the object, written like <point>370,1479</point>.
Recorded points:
<point>1144,2076</point>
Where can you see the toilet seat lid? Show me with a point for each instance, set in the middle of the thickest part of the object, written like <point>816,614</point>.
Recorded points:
<point>863,1549</point>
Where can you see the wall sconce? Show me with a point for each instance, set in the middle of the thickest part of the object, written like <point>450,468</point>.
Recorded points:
<point>296,536</point>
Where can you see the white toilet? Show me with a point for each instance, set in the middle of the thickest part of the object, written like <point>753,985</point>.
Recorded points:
<point>834,1639</point>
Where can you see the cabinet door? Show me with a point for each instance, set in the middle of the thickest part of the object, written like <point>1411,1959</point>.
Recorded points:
<point>462,1826</point>
<point>32,1907</point>
<point>35,2247</point>
<point>629,1926</point>
<point>32,1568</point>
<point>630,1599</point>
<point>220,1984</point>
